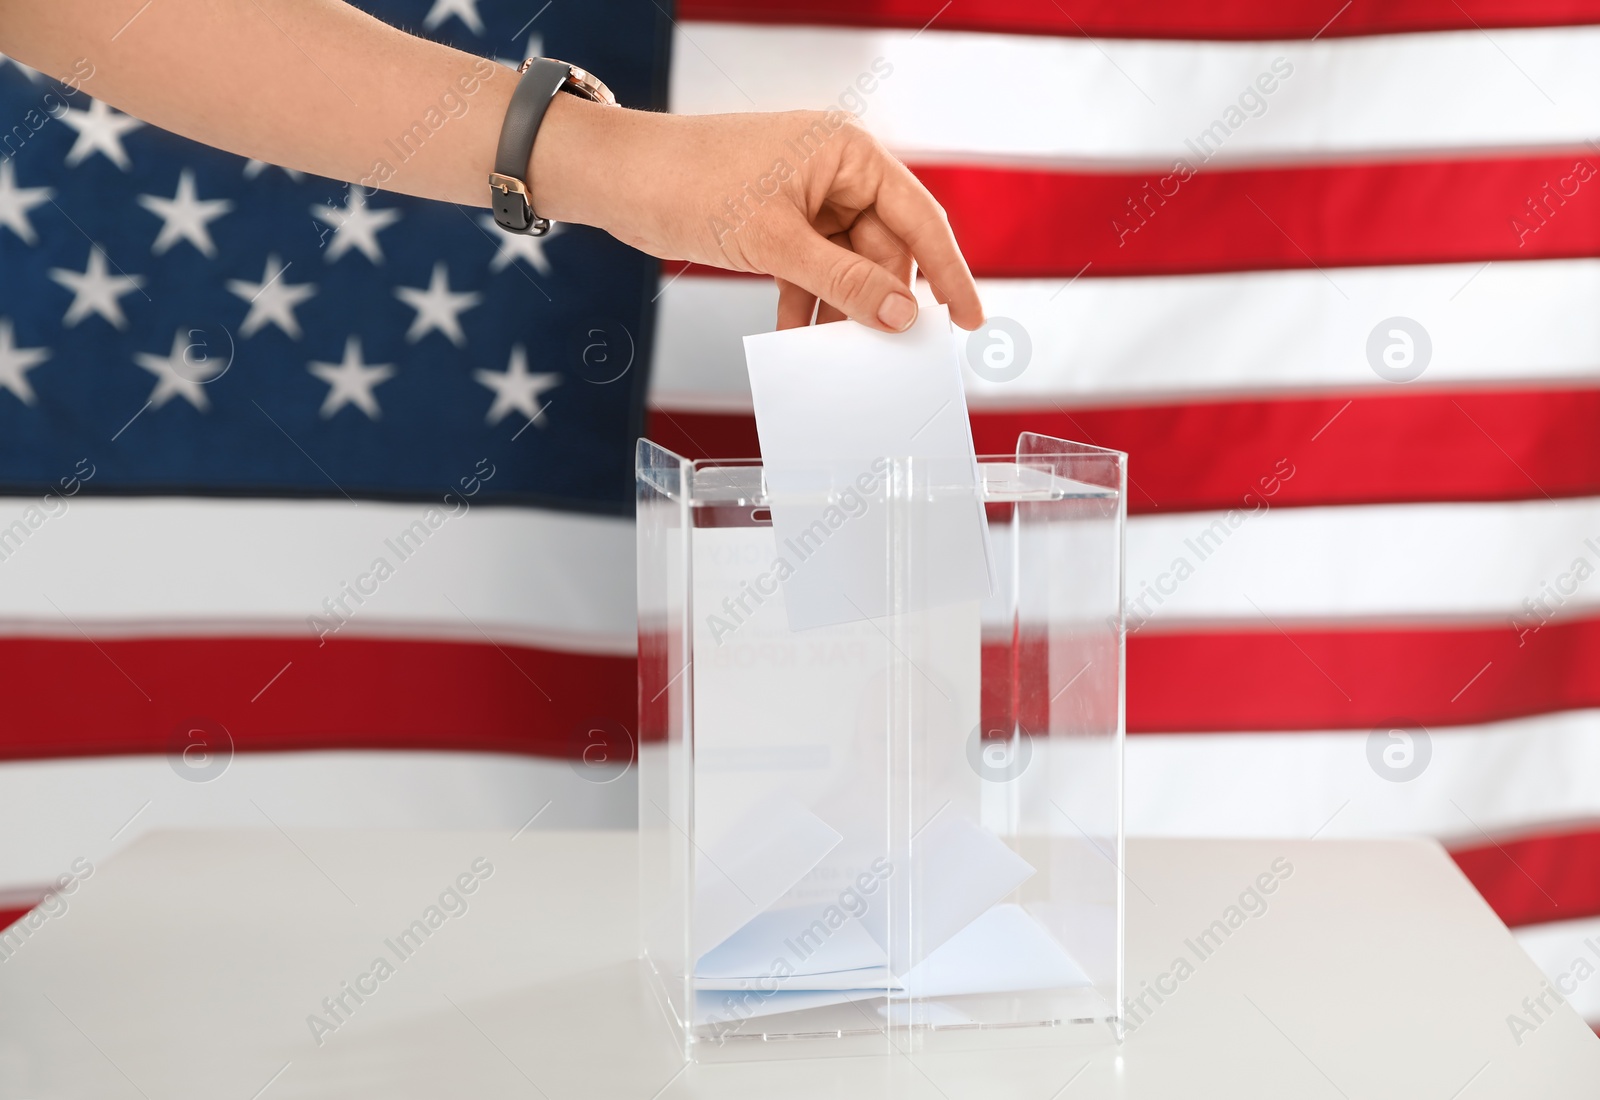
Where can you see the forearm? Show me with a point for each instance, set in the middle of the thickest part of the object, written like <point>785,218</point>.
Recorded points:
<point>318,86</point>
<point>314,85</point>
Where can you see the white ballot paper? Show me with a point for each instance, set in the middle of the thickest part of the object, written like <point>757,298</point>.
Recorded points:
<point>797,956</point>
<point>834,404</point>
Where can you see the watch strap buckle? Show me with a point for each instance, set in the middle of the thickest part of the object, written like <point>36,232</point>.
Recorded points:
<point>512,210</point>
<point>540,79</point>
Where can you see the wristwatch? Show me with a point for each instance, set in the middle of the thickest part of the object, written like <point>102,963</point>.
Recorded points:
<point>509,183</point>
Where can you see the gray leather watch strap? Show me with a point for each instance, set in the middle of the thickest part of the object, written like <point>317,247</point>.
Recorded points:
<point>512,159</point>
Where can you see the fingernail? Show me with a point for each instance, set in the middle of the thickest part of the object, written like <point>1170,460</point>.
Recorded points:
<point>897,312</point>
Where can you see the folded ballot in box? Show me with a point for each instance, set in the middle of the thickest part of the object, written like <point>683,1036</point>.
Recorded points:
<point>881,746</point>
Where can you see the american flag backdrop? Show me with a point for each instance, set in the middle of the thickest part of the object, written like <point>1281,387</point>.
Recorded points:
<point>318,502</point>
<point>1326,272</point>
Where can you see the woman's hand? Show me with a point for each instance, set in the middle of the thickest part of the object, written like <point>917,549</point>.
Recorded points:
<point>808,197</point>
<point>805,196</point>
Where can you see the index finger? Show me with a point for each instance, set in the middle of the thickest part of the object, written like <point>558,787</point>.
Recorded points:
<point>914,216</point>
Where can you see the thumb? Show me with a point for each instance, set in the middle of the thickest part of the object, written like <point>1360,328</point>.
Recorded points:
<point>847,281</point>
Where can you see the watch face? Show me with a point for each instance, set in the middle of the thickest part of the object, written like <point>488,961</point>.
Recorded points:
<point>582,82</point>
<point>579,82</point>
<point>591,88</point>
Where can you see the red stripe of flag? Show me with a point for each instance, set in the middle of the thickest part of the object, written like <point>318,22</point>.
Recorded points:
<point>1398,445</point>
<point>388,694</point>
<point>1229,19</point>
<point>1358,678</point>
<point>118,696</point>
<point>1016,222</point>
<point>1537,879</point>
<point>1045,223</point>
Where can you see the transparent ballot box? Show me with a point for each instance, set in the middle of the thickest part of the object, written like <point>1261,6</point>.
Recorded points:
<point>880,768</point>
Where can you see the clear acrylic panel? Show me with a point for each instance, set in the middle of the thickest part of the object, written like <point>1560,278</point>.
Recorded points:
<point>904,828</point>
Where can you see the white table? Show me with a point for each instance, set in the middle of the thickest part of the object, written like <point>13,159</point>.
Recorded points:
<point>188,965</point>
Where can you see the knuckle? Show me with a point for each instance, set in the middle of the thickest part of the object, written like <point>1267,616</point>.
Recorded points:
<point>813,123</point>
<point>849,279</point>
<point>934,224</point>
<point>850,126</point>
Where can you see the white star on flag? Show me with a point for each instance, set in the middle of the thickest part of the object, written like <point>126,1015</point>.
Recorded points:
<point>177,375</point>
<point>465,10</point>
<point>355,225</point>
<point>94,290</point>
<point>253,168</point>
<point>15,363</point>
<point>15,202</point>
<point>27,70</point>
<point>100,130</point>
<point>519,246</point>
<point>517,390</point>
<point>535,47</point>
<point>352,381</point>
<point>438,307</point>
<point>185,216</point>
<point>272,300</point>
